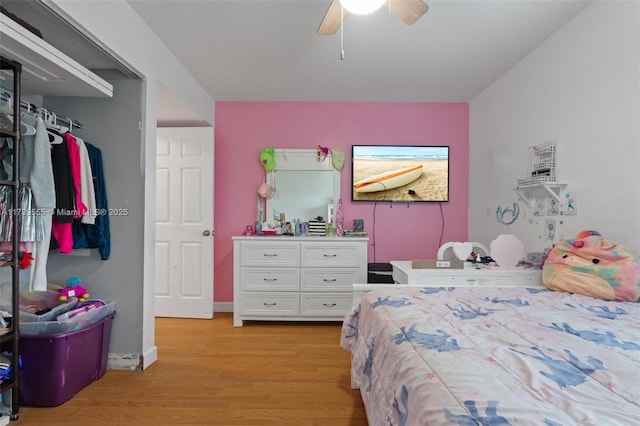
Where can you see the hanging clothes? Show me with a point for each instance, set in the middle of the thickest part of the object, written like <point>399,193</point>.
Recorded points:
<point>36,196</point>
<point>74,160</point>
<point>29,220</point>
<point>65,198</point>
<point>87,190</point>
<point>35,164</point>
<point>63,182</point>
<point>97,235</point>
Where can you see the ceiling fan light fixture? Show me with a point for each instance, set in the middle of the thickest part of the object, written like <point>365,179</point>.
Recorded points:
<point>362,7</point>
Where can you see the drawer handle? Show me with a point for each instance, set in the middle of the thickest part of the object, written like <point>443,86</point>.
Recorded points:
<point>270,280</point>
<point>270,254</point>
<point>330,255</point>
<point>329,305</point>
<point>269,304</point>
<point>330,280</point>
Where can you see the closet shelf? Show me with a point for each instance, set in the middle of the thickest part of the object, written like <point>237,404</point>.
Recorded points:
<point>7,263</point>
<point>46,70</point>
<point>6,335</point>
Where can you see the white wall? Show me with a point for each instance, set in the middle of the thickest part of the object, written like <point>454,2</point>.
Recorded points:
<point>115,26</point>
<point>581,89</point>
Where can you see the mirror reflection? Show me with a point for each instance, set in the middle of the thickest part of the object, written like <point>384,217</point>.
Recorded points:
<point>305,187</point>
<point>302,194</point>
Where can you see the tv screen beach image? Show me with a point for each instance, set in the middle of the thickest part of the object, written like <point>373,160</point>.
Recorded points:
<point>400,173</point>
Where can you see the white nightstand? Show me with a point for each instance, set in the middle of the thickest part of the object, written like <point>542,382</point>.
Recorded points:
<point>403,273</point>
<point>405,276</point>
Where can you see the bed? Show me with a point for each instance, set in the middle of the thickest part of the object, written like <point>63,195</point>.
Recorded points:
<point>494,356</point>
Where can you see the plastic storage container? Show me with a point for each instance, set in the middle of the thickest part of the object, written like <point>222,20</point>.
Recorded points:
<point>56,366</point>
<point>31,302</point>
<point>68,325</point>
<point>51,314</point>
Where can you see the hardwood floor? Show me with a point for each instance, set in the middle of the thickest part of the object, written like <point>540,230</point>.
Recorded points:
<point>211,373</point>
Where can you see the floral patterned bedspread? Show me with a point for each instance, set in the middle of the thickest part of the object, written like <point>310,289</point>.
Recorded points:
<point>494,356</point>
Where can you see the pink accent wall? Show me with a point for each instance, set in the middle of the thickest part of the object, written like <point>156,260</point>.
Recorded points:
<point>402,231</point>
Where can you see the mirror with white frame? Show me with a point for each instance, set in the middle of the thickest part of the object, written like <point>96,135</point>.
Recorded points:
<point>305,187</point>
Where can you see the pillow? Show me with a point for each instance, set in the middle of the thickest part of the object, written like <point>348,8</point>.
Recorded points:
<point>592,266</point>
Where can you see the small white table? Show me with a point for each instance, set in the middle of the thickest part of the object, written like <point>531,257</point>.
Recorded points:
<point>487,276</point>
<point>405,276</point>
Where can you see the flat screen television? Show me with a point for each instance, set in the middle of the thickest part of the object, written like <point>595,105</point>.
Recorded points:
<point>409,173</point>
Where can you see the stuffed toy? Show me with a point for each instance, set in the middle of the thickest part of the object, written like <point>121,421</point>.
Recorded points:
<point>322,153</point>
<point>268,159</point>
<point>592,266</point>
<point>266,191</point>
<point>337,158</point>
<point>73,289</point>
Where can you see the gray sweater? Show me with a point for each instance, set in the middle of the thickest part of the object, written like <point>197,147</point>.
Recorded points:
<point>35,163</point>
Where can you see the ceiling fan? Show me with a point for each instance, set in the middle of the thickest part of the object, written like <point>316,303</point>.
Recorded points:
<point>407,10</point>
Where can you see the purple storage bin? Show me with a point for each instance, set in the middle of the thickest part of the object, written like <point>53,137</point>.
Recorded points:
<point>56,366</point>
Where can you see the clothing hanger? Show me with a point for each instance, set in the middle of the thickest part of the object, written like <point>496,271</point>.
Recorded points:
<point>51,123</point>
<point>27,130</point>
<point>52,129</point>
<point>54,138</point>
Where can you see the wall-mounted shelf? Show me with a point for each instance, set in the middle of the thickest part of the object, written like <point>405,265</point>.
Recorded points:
<point>45,69</point>
<point>527,192</point>
<point>541,174</point>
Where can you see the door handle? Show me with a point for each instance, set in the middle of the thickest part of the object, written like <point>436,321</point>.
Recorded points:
<point>206,233</point>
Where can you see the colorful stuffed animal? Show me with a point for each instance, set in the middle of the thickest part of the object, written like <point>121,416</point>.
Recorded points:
<point>74,289</point>
<point>592,266</point>
<point>268,159</point>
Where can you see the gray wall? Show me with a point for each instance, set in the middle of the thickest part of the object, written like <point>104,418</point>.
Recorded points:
<point>113,125</point>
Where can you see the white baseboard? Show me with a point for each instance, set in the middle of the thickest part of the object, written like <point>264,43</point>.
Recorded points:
<point>124,361</point>
<point>149,357</point>
<point>223,306</point>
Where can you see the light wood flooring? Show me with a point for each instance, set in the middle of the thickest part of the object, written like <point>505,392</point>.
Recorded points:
<point>211,373</point>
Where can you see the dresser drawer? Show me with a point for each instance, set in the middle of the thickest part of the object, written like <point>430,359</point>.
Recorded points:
<point>270,279</point>
<point>323,255</point>
<point>270,304</point>
<point>328,279</point>
<point>268,254</point>
<point>325,304</point>
<point>305,278</point>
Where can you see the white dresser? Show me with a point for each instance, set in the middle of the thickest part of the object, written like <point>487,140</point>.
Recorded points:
<point>295,278</point>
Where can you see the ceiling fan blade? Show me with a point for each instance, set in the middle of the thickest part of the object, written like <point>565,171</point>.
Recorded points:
<point>407,10</point>
<point>332,19</point>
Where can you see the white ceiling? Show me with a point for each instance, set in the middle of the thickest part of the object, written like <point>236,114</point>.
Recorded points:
<point>267,50</point>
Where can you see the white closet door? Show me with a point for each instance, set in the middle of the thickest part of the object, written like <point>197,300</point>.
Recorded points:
<point>184,223</point>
